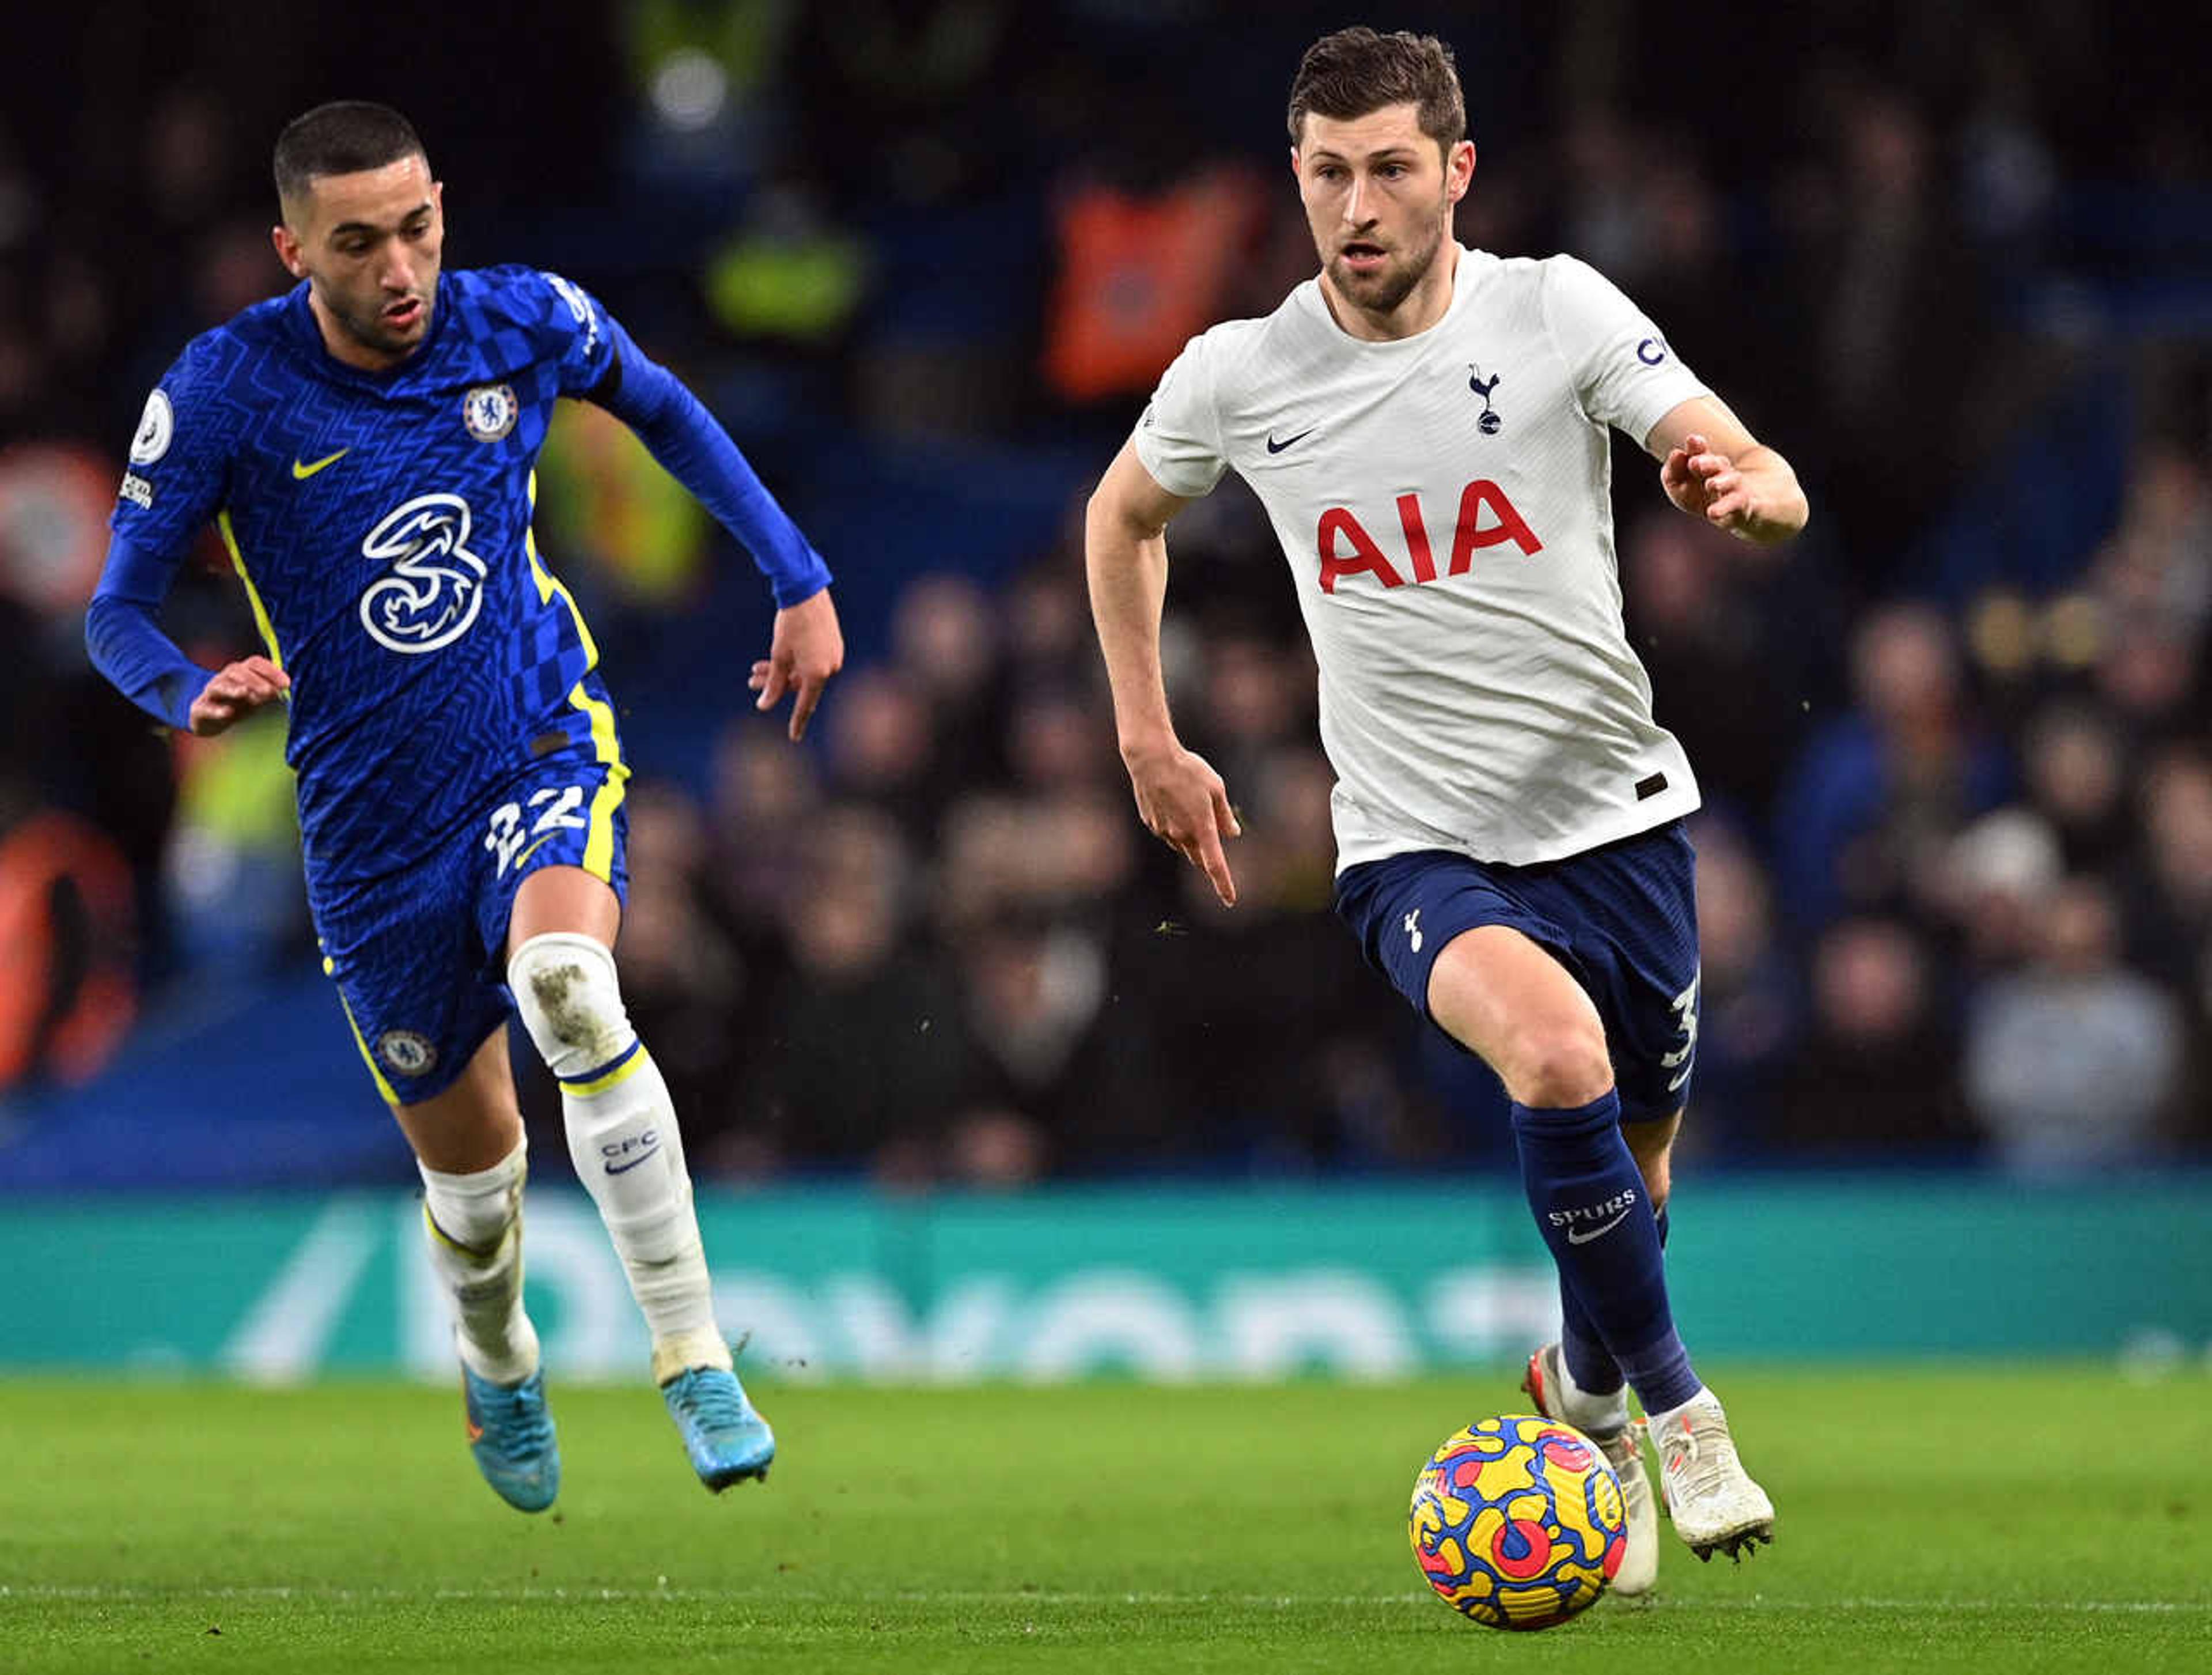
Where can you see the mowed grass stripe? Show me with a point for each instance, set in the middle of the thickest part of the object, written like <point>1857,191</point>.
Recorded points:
<point>1100,1526</point>
<point>956,1597</point>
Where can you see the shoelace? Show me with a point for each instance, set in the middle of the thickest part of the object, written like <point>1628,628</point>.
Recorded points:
<point>518,1418</point>
<point>712,1404</point>
<point>1624,1448</point>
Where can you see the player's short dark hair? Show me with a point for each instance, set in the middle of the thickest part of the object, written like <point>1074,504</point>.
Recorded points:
<point>342,137</point>
<point>1356,72</point>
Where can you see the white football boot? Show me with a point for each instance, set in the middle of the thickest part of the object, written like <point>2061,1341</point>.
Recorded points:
<point>1622,1443</point>
<point>1714,1503</point>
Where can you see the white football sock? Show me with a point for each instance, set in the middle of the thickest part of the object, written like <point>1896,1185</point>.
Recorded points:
<point>474,1225</point>
<point>1704,1396</point>
<point>1594,1416</point>
<point>623,1139</point>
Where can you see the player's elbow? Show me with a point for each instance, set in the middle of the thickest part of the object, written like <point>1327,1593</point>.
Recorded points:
<point>1113,523</point>
<point>105,626</point>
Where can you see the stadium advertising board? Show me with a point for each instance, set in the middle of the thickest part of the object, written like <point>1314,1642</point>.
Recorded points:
<point>1160,1284</point>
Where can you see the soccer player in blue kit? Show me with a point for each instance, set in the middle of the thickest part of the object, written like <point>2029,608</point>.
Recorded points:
<point>366,445</point>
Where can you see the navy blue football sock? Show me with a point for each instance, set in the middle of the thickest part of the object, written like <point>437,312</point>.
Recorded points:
<point>1590,1205</point>
<point>1593,1368</point>
<point>1594,1371</point>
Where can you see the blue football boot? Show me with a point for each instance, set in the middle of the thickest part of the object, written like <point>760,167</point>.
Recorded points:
<point>511,1435</point>
<point>727,1440</point>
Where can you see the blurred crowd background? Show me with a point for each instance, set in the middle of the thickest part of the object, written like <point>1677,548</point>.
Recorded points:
<point>925,260</point>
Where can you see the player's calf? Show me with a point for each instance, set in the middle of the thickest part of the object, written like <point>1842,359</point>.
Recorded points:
<point>623,1139</point>
<point>473,1224</point>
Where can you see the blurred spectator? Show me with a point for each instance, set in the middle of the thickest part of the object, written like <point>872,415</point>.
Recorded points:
<point>761,809</point>
<point>1276,989</point>
<point>860,1062</point>
<point>2071,1064</point>
<point>790,276</point>
<point>883,748</point>
<point>1998,876</point>
<point>1866,810</point>
<point>1057,1065</point>
<point>1896,319</point>
<point>2170,920</point>
<point>1721,675</point>
<point>944,647</point>
<point>1751,1004</point>
<point>1878,1069</point>
<point>2076,762</point>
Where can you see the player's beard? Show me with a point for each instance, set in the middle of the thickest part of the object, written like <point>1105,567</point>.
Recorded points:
<point>368,329</point>
<point>1380,293</point>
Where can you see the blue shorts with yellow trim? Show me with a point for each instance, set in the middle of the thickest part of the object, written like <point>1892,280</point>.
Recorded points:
<point>1622,919</point>
<point>420,958</point>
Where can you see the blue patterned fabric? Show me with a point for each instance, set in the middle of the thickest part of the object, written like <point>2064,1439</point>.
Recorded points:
<point>380,522</point>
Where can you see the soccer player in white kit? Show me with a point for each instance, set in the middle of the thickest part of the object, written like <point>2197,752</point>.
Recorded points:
<point>1426,426</point>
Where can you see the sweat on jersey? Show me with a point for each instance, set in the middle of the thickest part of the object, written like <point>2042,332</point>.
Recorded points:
<point>1444,502</point>
<point>380,524</point>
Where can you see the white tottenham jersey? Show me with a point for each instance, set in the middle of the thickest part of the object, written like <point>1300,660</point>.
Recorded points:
<point>1444,501</point>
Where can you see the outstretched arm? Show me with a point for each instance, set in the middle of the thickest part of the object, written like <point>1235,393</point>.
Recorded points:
<point>1179,796</point>
<point>1712,468</point>
<point>808,646</point>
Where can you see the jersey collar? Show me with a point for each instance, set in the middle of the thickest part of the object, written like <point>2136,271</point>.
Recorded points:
<point>300,313</point>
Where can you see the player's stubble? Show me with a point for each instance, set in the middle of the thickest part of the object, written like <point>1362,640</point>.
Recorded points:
<point>1380,294</point>
<point>368,331</point>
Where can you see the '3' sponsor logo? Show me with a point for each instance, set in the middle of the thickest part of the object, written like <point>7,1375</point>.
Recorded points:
<point>431,595</point>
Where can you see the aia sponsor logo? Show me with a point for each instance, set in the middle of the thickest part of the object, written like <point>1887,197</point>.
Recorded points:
<point>1487,518</point>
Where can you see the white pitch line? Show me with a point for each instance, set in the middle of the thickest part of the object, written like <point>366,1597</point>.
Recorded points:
<point>1038,1597</point>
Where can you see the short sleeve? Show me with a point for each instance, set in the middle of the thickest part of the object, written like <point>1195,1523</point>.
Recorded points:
<point>1178,439</point>
<point>1625,373</point>
<point>178,472</point>
<point>584,333</point>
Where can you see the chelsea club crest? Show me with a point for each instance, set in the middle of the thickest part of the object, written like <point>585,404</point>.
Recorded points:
<point>488,411</point>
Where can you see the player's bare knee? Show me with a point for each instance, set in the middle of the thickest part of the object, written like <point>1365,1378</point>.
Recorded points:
<point>566,990</point>
<point>1558,1069</point>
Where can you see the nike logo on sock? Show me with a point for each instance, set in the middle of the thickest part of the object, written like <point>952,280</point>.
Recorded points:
<point>1583,1235</point>
<point>629,1164</point>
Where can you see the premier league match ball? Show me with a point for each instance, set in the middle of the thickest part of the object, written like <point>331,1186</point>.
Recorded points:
<point>1518,1522</point>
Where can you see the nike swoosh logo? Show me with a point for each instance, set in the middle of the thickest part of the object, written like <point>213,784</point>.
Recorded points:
<point>1577,1236</point>
<point>516,863</point>
<point>1274,447</point>
<point>300,473</point>
<point>625,1168</point>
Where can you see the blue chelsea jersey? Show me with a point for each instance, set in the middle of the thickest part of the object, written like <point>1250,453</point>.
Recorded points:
<point>380,523</point>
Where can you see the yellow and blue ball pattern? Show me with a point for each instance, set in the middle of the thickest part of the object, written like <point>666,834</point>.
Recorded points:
<point>1518,1522</point>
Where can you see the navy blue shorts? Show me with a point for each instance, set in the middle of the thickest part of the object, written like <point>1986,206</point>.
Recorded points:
<point>1623,919</point>
<point>420,960</point>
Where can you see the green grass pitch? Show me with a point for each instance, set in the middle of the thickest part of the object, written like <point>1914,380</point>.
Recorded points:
<point>2008,1518</point>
